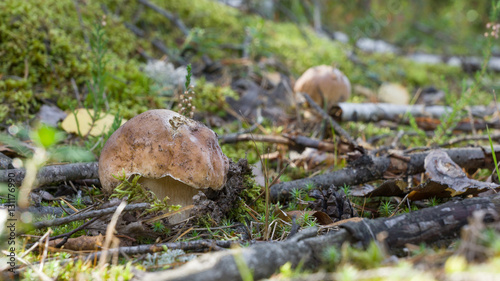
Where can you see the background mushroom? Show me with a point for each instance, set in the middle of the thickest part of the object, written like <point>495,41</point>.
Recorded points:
<point>325,84</point>
<point>176,157</point>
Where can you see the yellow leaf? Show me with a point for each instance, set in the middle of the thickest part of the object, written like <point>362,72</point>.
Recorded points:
<point>101,126</point>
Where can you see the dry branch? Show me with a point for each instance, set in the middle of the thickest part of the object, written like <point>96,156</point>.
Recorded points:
<point>427,225</point>
<point>90,214</point>
<point>374,168</point>
<point>54,173</point>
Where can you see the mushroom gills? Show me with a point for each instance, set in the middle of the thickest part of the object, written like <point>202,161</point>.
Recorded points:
<point>178,192</point>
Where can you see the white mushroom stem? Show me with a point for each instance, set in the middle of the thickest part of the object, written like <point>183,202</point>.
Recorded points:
<point>178,192</point>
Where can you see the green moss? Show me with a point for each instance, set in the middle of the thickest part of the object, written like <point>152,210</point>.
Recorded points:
<point>16,99</point>
<point>211,98</point>
<point>43,48</point>
<point>43,42</point>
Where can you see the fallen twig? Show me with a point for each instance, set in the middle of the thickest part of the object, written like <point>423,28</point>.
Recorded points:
<point>53,174</point>
<point>90,214</point>
<point>68,234</point>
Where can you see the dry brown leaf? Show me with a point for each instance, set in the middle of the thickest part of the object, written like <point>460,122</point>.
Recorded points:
<point>82,243</point>
<point>446,179</point>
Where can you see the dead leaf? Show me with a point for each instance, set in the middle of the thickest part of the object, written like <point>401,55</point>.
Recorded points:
<point>446,179</point>
<point>101,126</point>
<point>82,243</point>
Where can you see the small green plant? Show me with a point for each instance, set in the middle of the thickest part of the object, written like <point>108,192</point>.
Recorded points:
<point>186,103</point>
<point>77,203</point>
<point>158,226</point>
<point>410,209</point>
<point>134,192</point>
<point>96,103</point>
<point>309,220</point>
<point>386,208</point>
<point>433,202</point>
<point>346,189</point>
<point>298,194</point>
<point>370,257</point>
<point>194,234</point>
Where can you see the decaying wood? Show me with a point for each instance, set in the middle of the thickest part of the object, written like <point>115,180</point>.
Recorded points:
<point>446,179</point>
<point>53,174</point>
<point>426,117</point>
<point>427,225</point>
<point>90,214</point>
<point>370,168</point>
<point>373,112</point>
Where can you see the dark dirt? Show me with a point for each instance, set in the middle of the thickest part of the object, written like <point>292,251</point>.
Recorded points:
<point>217,204</point>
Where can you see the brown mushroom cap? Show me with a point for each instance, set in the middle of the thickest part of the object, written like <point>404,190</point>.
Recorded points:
<point>175,155</point>
<point>325,84</point>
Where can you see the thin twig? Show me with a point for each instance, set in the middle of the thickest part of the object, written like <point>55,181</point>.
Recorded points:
<point>68,234</point>
<point>91,214</point>
<point>35,245</point>
<point>110,234</point>
<point>45,249</point>
<point>40,273</point>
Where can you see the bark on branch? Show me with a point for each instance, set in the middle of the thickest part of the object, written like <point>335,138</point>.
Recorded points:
<point>54,173</point>
<point>373,112</point>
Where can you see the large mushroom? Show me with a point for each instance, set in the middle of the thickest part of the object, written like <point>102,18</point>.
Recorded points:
<point>325,84</point>
<point>175,156</point>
